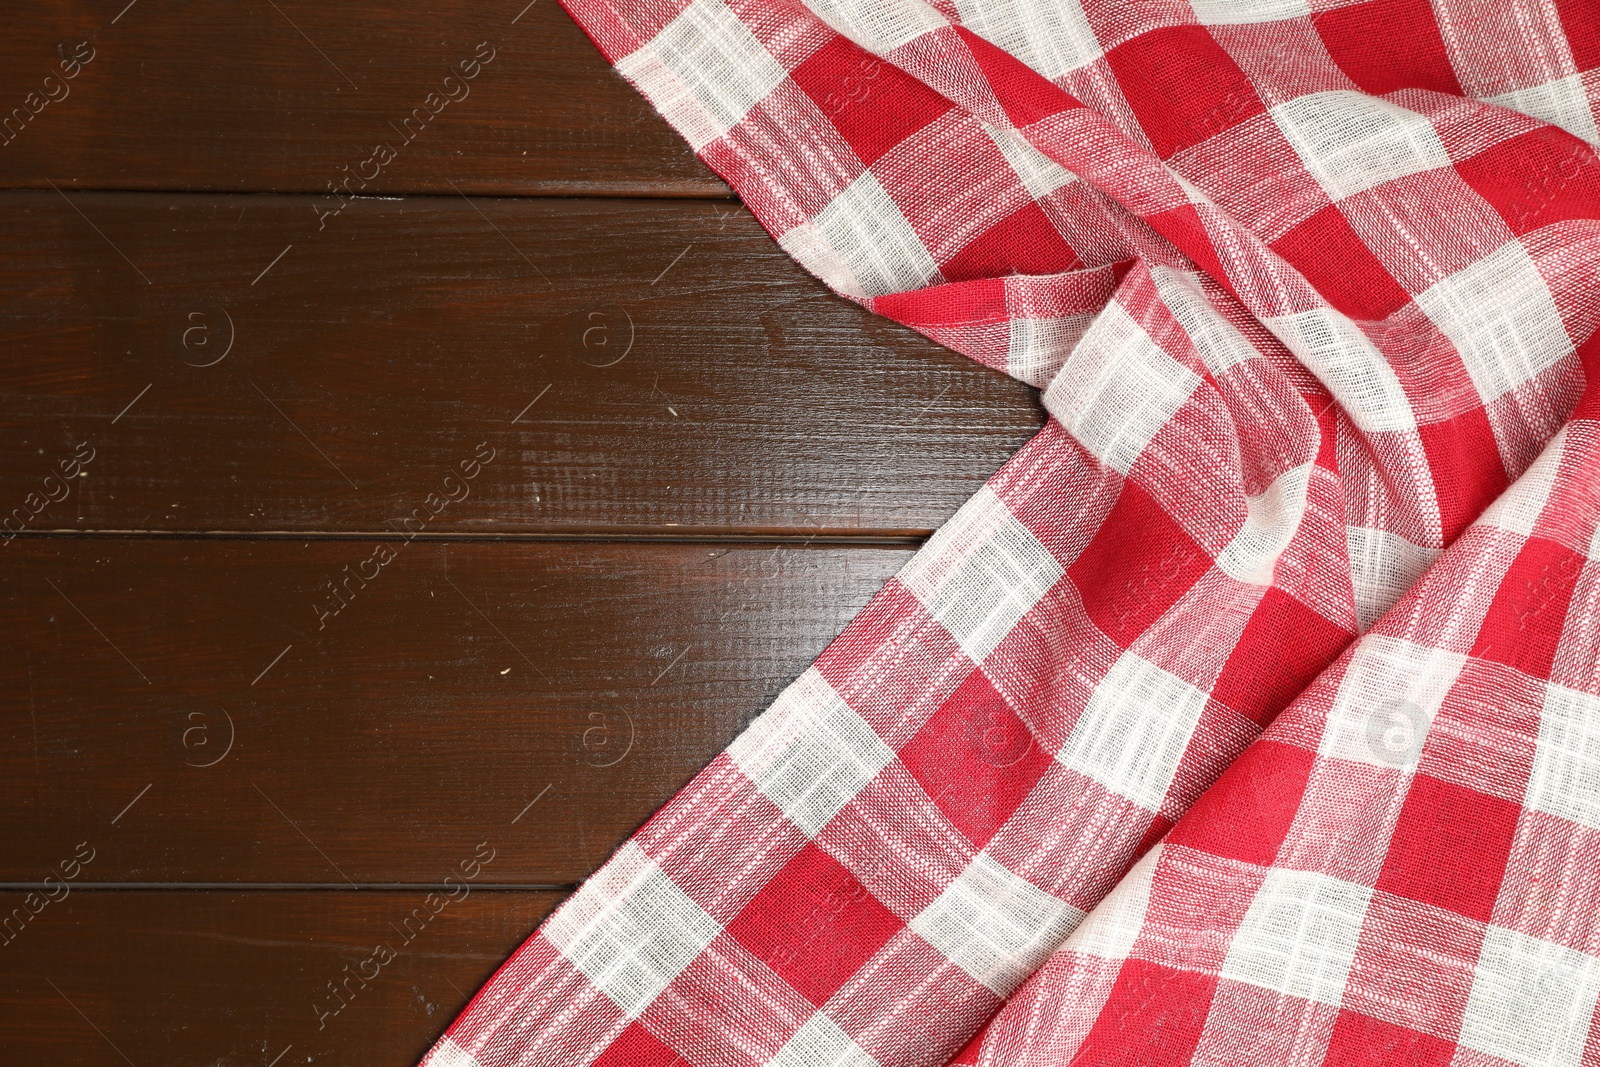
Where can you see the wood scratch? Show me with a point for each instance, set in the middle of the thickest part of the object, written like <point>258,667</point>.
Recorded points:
<point>671,665</point>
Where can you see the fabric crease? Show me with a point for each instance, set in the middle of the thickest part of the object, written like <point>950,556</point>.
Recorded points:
<point>1250,713</point>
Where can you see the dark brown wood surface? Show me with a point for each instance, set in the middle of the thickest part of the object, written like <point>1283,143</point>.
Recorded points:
<point>341,537</point>
<point>290,95</point>
<point>204,978</point>
<point>731,392</point>
<point>461,683</point>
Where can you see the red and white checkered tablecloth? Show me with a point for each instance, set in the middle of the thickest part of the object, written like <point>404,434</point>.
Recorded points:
<point>1250,714</point>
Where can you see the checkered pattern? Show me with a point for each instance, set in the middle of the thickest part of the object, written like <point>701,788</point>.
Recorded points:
<point>1404,860</point>
<point>1251,712</point>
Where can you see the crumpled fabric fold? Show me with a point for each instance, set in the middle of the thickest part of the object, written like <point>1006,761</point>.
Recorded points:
<point>1250,714</point>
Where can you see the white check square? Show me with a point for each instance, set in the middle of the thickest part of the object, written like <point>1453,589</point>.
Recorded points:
<point>1272,518</point>
<point>1382,567</point>
<point>981,573</point>
<point>1520,507</point>
<point>704,71</point>
<point>1565,780</point>
<point>995,925</point>
<point>1386,702</point>
<point>1350,141</point>
<point>1111,929</point>
<point>1052,37</point>
<point>821,1043</point>
<point>449,1054</point>
<point>1532,1001</point>
<point>1560,102</point>
<point>1299,935</point>
<point>1499,314</point>
<point>1132,733</point>
<point>1038,347</point>
<point>1118,388</point>
<point>1345,359</point>
<point>809,752</point>
<point>1216,340</point>
<point>865,232</point>
<point>879,28</point>
<point>630,929</point>
<point>1242,12</point>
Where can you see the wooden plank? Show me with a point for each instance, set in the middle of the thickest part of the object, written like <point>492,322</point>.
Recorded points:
<point>546,696</point>
<point>633,365</point>
<point>112,978</point>
<point>293,95</point>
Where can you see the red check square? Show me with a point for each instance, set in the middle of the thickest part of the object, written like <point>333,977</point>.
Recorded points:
<point>976,759</point>
<point>814,924</point>
<point>1450,847</point>
<point>1138,565</point>
<point>1362,1041</point>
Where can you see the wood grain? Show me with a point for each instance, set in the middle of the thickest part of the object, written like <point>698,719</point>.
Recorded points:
<point>112,978</point>
<point>638,366</point>
<point>292,95</point>
<point>359,529</point>
<point>460,684</point>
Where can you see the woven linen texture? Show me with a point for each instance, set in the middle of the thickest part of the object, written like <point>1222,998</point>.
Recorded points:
<point>1250,714</point>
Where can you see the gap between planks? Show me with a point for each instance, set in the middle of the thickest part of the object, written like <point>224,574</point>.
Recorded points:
<point>547,191</point>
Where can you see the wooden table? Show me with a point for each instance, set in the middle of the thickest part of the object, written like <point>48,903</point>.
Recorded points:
<point>375,560</point>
